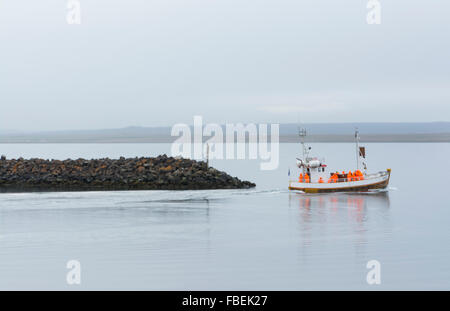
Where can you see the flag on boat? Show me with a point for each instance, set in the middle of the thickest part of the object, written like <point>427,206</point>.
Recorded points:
<point>362,152</point>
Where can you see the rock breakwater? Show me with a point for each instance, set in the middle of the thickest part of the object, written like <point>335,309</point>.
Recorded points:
<point>158,173</point>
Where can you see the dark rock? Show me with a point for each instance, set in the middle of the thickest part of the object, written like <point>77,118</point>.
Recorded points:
<point>162,172</point>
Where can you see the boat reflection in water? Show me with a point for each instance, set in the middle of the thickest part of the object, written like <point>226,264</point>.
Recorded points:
<point>342,218</point>
<point>355,205</point>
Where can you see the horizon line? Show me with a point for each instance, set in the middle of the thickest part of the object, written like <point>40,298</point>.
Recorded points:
<point>17,131</point>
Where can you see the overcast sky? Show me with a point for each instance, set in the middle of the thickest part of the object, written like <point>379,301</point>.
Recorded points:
<point>160,62</point>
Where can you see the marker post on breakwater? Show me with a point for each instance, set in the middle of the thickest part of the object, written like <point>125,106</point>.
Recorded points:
<point>207,155</point>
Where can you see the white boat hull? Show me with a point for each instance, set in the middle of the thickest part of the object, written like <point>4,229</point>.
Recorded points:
<point>371,182</point>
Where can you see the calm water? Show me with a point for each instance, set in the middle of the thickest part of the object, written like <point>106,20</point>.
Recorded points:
<point>265,238</point>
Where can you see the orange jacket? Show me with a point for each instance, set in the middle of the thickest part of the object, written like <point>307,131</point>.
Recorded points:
<point>349,176</point>
<point>359,174</point>
<point>306,178</point>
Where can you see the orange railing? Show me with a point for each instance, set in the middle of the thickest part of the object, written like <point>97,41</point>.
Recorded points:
<point>346,179</point>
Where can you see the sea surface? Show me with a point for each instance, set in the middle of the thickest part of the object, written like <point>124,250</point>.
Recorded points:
<point>265,238</point>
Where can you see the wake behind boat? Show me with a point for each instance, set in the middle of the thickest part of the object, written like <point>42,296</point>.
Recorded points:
<point>314,177</point>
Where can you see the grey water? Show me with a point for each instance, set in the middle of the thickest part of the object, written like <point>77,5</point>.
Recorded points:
<point>265,238</point>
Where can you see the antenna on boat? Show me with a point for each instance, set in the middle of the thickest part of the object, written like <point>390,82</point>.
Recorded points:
<point>304,160</point>
<point>302,134</point>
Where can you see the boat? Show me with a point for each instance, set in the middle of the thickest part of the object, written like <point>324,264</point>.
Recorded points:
<point>315,177</point>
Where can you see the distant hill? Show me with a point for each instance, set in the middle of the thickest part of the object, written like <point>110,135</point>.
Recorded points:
<point>319,132</point>
<point>368,128</point>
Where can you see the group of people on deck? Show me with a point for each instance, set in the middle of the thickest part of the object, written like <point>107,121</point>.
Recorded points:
<point>335,177</point>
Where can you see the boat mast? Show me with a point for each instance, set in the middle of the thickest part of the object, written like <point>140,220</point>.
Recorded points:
<point>357,147</point>
<point>302,134</point>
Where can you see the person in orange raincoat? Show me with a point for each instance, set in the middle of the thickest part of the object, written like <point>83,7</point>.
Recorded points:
<point>333,179</point>
<point>359,174</point>
<point>306,178</point>
<point>349,176</point>
<point>300,178</point>
<point>336,177</point>
<point>320,180</point>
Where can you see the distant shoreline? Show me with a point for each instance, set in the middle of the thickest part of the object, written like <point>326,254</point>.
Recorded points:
<point>370,138</point>
<point>288,133</point>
